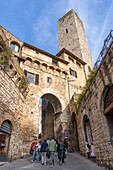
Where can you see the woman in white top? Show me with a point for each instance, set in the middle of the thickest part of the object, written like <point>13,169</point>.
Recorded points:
<point>39,153</point>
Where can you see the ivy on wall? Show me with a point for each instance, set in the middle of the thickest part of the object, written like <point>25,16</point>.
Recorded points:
<point>23,83</point>
<point>85,88</point>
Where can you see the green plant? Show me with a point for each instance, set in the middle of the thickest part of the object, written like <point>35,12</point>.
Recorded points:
<point>85,88</point>
<point>23,82</point>
<point>4,58</point>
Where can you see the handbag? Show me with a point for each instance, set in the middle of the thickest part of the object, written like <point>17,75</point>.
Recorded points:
<point>48,154</point>
<point>31,151</point>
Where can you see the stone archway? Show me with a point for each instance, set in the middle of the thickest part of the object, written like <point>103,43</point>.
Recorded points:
<point>87,130</point>
<point>73,134</point>
<point>51,115</point>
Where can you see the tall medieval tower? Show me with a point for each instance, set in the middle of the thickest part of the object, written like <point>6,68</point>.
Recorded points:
<point>71,36</point>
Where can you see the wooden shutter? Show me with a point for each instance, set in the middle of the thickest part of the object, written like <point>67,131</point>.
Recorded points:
<point>25,72</point>
<point>37,79</point>
<point>70,71</point>
<point>75,74</point>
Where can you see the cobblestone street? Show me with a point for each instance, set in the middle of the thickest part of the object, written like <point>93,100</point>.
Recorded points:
<point>74,161</point>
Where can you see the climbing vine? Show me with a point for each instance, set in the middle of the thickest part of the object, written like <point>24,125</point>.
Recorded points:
<point>85,88</point>
<point>23,83</point>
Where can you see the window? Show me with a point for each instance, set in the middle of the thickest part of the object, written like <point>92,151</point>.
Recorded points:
<point>73,73</point>
<point>14,47</point>
<point>49,80</point>
<point>67,31</point>
<point>78,64</point>
<point>71,60</point>
<point>30,77</point>
<point>54,62</point>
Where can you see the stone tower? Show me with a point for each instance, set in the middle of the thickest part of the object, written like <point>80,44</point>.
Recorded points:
<point>71,35</point>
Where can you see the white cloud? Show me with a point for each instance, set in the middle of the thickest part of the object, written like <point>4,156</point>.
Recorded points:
<point>95,23</point>
<point>45,27</point>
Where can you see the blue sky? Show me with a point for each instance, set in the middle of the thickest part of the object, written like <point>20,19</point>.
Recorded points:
<point>35,21</point>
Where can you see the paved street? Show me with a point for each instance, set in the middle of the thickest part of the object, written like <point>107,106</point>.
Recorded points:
<point>73,162</point>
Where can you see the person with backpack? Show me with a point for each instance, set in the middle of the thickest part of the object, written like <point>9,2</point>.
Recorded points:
<point>43,150</point>
<point>52,149</point>
<point>61,152</point>
<point>33,148</point>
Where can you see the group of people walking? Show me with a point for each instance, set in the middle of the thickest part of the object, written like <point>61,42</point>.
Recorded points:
<point>49,149</point>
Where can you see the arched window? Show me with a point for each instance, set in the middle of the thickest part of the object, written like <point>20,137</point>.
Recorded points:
<point>14,46</point>
<point>108,98</point>
<point>108,110</point>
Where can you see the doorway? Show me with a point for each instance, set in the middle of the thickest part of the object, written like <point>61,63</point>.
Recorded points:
<point>87,129</point>
<point>47,119</point>
<point>5,133</point>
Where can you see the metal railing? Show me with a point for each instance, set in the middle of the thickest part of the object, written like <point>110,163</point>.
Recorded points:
<point>107,43</point>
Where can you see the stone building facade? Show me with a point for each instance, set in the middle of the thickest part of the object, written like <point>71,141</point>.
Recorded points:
<point>54,79</point>
<point>95,118</point>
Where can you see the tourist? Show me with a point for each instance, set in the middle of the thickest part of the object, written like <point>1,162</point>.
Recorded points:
<point>43,151</point>
<point>52,149</point>
<point>48,141</point>
<point>66,144</point>
<point>33,148</point>
<point>92,150</point>
<point>39,148</point>
<point>87,150</point>
<point>61,152</point>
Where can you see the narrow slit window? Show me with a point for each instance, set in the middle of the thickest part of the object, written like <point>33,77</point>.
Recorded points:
<point>66,31</point>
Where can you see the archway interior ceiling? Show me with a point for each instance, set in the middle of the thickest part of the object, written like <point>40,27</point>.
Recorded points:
<point>54,101</point>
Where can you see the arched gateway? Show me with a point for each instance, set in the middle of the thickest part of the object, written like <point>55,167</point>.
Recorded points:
<point>51,115</point>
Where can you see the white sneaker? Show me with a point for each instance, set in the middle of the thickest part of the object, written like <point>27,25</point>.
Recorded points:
<point>31,161</point>
<point>45,164</point>
<point>51,166</point>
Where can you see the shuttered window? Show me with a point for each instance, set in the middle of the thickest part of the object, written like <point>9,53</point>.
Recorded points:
<point>25,72</point>
<point>6,127</point>
<point>37,79</point>
<point>73,73</point>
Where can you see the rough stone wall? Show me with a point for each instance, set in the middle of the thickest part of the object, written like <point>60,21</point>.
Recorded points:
<point>74,39</point>
<point>67,39</point>
<point>84,47</point>
<point>92,105</point>
<point>11,108</point>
